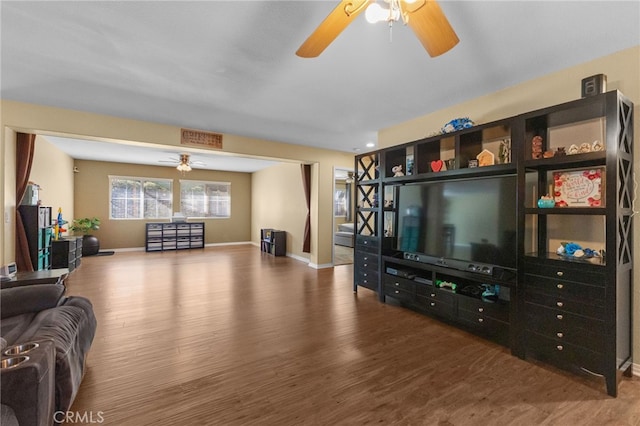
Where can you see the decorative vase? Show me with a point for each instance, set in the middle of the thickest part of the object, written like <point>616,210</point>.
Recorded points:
<point>90,245</point>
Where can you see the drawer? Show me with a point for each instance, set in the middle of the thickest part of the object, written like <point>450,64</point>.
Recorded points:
<point>563,270</point>
<point>393,281</point>
<point>169,227</point>
<point>590,294</point>
<point>496,329</point>
<point>365,261</point>
<point>564,304</point>
<point>563,354</point>
<point>560,320</point>
<point>576,336</point>
<point>367,244</point>
<point>367,279</point>
<point>436,294</point>
<point>400,294</point>
<point>154,227</point>
<point>436,307</point>
<point>498,310</point>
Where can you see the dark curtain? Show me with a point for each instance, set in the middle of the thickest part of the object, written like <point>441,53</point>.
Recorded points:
<point>25,147</point>
<point>306,183</point>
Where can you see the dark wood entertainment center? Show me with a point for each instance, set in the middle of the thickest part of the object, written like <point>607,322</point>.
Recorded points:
<point>570,309</point>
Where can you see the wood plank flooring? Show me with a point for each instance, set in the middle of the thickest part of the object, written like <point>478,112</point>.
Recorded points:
<point>233,336</point>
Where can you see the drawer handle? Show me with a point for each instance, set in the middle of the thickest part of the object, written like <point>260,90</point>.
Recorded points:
<point>432,303</point>
<point>560,273</point>
<point>560,286</point>
<point>480,309</point>
<point>365,265</point>
<point>559,304</point>
<point>396,284</point>
<point>559,316</point>
<point>365,274</point>
<point>560,347</point>
<point>366,242</point>
<point>365,281</point>
<point>397,292</point>
<point>366,258</point>
<point>480,319</point>
<point>560,335</point>
<point>433,295</point>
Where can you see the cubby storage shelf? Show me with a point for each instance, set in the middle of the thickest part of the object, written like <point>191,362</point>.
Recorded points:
<point>597,262</point>
<point>495,170</point>
<point>581,211</point>
<point>591,159</point>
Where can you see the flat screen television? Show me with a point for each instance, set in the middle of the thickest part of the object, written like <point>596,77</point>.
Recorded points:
<point>469,220</point>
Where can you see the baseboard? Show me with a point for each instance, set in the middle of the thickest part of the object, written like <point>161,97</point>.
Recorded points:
<point>235,243</point>
<point>120,250</point>
<point>635,369</point>
<point>323,266</point>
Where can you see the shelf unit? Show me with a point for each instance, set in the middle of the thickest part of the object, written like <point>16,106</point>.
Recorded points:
<point>567,311</point>
<point>66,253</point>
<point>174,236</point>
<point>577,311</point>
<point>37,225</point>
<point>368,211</point>
<point>273,242</point>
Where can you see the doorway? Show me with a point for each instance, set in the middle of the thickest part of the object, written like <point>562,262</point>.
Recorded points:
<point>343,232</point>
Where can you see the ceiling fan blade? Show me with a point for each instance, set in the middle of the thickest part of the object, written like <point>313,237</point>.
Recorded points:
<point>331,27</point>
<point>432,28</point>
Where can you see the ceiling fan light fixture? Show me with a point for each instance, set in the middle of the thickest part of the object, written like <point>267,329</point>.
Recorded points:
<point>184,164</point>
<point>376,13</point>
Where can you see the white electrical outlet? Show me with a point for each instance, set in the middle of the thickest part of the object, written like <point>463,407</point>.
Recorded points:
<point>6,217</point>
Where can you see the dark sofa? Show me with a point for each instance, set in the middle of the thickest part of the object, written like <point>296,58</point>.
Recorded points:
<point>64,327</point>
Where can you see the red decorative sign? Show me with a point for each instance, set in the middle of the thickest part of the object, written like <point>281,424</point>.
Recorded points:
<point>580,188</point>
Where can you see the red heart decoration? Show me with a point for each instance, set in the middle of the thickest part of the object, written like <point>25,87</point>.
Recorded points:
<point>436,166</point>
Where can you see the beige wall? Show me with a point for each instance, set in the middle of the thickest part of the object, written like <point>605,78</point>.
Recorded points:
<point>623,73</point>
<point>38,119</point>
<point>278,202</point>
<point>52,169</point>
<point>92,199</point>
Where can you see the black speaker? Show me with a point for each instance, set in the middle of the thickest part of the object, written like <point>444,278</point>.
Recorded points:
<point>594,85</point>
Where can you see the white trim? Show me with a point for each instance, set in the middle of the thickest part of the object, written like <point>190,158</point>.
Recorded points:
<point>299,258</point>
<point>635,369</point>
<point>323,266</point>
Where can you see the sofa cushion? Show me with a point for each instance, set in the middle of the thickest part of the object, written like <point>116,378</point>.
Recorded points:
<point>32,298</point>
<point>12,328</point>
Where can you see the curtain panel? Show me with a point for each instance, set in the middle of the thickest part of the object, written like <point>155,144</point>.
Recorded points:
<point>25,148</point>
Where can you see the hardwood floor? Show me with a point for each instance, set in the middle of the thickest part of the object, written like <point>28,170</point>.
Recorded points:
<point>232,336</point>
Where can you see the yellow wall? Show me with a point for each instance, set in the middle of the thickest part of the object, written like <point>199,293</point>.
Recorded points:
<point>52,169</point>
<point>38,119</point>
<point>278,202</point>
<point>623,73</point>
<point>92,199</point>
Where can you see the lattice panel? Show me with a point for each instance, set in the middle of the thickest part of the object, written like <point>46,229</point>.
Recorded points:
<point>625,176</point>
<point>625,139</point>
<point>624,240</point>
<point>368,196</point>
<point>367,167</point>
<point>366,223</point>
<point>625,181</point>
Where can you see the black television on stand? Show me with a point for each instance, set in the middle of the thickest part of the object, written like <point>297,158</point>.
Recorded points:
<point>465,224</point>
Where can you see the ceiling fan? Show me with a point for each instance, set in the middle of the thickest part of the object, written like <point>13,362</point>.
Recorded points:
<point>425,18</point>
<point>183,162</point>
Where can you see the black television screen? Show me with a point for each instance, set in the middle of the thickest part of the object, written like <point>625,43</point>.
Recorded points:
<point>468,220</point>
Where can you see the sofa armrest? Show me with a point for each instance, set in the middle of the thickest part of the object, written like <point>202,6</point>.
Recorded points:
<point>33,298</point>
<point>28,389</point>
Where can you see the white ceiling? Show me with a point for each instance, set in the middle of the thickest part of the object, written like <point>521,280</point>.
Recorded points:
<point>230,67</point>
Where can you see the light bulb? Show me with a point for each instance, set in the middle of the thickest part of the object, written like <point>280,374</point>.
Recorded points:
<point>375,13</point>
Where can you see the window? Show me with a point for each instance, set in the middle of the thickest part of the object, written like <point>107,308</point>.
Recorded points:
<point>340,203</point>
<point>140,198</point>
<point>205,199</point>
